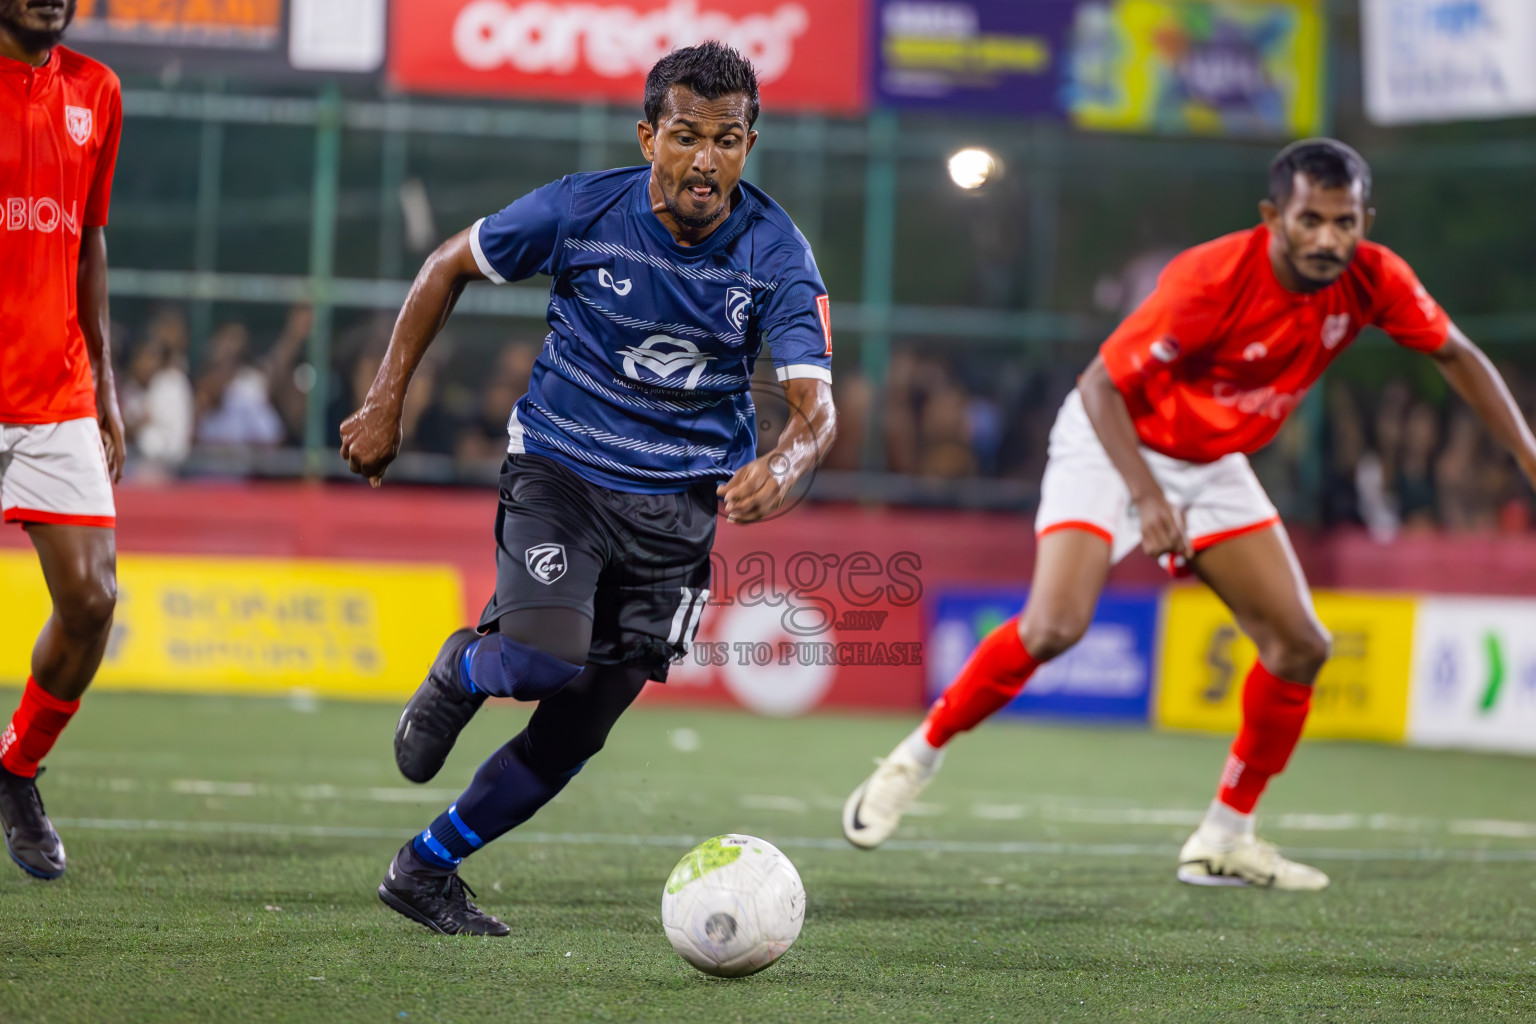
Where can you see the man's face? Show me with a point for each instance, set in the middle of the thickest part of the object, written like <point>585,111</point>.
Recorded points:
<point>37,24</point>
<point>697,151</point>
<point>1319,229</point>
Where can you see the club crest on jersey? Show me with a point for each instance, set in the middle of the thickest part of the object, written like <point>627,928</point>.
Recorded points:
<point>738,306</point>
<point>77,121</point>
<point>663,359</point>
<point>1165,350</point>
<point>546,562</point>
<point>1335,327</point>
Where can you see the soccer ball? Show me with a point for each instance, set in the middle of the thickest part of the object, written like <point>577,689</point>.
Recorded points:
<point>733,905</point>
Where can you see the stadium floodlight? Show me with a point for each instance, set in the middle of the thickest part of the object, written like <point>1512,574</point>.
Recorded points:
<point>971,168</point>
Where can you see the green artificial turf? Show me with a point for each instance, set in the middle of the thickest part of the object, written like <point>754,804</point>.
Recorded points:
<point>224,855</point>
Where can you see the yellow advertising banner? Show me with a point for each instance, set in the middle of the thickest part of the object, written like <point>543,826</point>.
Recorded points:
<point>252,626</point>
<point>1361,694</point>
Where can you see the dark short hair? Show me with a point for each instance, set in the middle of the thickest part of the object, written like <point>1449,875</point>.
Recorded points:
<point>711,70</point>
<point>1329,162</point>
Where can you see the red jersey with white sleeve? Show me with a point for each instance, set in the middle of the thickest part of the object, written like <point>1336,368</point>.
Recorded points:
<point>1220,353</point>
<point>59,129</point>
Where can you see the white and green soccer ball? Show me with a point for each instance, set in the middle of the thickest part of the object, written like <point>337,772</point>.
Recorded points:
<point>733,905</point>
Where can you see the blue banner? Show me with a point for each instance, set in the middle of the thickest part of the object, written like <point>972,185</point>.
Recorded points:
<point>978,56</point>
<point>1107,676</point>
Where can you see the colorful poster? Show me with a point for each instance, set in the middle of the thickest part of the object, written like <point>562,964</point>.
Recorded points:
<point>1474,674</point>
<point>1446,60</point>
<point>809,54</point>
<point>1361,694</point>
<point>252,626</point>
<point>1202,67</point>
<point>1108,675</point>
<point>986,56</point>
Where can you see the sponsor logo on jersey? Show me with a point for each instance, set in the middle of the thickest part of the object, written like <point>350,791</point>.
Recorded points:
<point>1256,351</point>
<point>40,213</point>
<point>665,359</point>
<point>824,310</point>
<point>615,40</point>
<point>620,288</point>
<point>738,307</point>
<point>77,121</point>
<point>1165,350</point>
<point>546,562</point>
<point>1335,329</point>
<point>1265,401</point>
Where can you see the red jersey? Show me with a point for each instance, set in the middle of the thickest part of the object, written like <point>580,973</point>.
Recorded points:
<point>1220,353</point>
<point>59,126</point>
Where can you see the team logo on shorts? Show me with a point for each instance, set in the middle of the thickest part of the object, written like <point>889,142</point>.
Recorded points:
<point>546,562</point>
<point>1165,350</point>
<point>77,120</point>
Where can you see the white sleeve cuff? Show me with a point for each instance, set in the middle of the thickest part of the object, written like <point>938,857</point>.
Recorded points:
<point>480,260</point>
<point>796,371</point>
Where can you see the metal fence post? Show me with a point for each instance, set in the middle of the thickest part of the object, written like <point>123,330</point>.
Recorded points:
<point>205,243</point>
<point>322,259</point>
<point>879,271</point>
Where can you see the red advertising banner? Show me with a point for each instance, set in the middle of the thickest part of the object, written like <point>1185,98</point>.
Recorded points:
<point>809,54</point>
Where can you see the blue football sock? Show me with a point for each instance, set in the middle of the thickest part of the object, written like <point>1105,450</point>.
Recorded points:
<point>503,667</point>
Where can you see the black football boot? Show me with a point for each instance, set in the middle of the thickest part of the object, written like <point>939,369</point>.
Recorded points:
<point>436,713</point>
<point>29,836</point>
<point>437,899</point>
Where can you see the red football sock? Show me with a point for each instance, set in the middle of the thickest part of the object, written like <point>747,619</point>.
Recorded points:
<point>994,674</point>
<point>33,729</point>
<point>1274,710</point>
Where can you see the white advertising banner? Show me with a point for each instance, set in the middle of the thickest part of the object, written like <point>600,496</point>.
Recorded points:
<point>1448,60</point>
<point>1474,674</point>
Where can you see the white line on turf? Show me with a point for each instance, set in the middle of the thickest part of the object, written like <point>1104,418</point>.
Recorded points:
<point>790,842</point>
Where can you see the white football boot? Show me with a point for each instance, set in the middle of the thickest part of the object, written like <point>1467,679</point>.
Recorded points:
<point>1246,862</point>
<point>874,809</point>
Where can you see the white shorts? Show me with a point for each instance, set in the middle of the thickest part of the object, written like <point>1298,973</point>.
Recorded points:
<point>55,473</point>
<point>1083,490</point>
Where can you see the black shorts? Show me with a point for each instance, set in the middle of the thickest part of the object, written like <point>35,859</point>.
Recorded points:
<point>638,564</point>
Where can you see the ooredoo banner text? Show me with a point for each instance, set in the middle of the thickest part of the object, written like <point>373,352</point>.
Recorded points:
<point>809,54</point>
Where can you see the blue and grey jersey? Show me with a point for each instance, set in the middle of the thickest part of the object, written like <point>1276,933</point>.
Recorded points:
<point>643,382</point>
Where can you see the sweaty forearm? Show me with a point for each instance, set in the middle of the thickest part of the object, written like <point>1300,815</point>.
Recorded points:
<point>433,295</point>
<point>811,427</point>
<point>1117,433</point>
<point>1470,373</point>
<point>91,295</point>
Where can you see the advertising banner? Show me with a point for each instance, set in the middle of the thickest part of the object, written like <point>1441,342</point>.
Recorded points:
<point>1107,676</point>
<point>262,38</point>
<point>1362,693</point>
<point>1474,674</point>
<point>1443,60</point>
<point>251,626</point>
<point>1204,67</point>
<point>986,56</point>
<point>809,54</point>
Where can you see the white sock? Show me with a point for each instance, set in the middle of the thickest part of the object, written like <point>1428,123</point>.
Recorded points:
<point>920,750</point>
<point>1224,827</point>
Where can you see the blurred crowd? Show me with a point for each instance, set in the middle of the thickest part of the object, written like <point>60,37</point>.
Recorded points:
<point>1385,457</point>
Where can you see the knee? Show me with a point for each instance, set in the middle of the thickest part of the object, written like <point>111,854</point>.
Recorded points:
<point>1047,635</point>
<point>1297,653</point>
<point>86,609</point>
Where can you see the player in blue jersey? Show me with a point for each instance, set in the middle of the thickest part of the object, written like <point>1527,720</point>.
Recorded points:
<point>638,427</point>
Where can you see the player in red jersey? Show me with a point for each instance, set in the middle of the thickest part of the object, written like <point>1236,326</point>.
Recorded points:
<point>61,436</point>
<point>1151,449</point>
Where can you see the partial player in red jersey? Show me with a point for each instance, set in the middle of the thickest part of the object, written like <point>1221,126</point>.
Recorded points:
<point>61,437</point>
<point>1151,450</point>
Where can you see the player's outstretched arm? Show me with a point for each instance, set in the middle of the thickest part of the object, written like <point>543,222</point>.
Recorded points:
<point>95,324</point>
<point>760,487</point>
<point>1162,528</point>
<point>1475,379</point>
<point>371,437</point>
